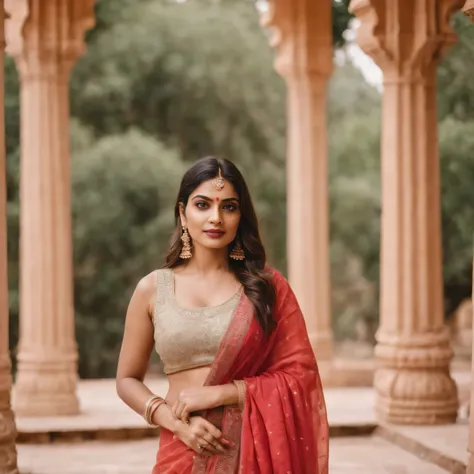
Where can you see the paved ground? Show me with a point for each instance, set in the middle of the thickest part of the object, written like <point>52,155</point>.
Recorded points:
<point>348,456</point>
<point>101,410</point>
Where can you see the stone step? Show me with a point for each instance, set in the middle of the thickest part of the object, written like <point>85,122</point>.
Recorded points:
<point>444,445</point>
<point>348,455</point>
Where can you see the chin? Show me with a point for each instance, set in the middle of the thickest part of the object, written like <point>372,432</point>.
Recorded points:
<point>217,245</point>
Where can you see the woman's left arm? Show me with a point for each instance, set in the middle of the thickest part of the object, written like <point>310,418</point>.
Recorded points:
<point>204,398</point>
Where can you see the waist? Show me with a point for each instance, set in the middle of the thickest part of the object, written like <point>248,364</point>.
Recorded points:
<point>186,379</point>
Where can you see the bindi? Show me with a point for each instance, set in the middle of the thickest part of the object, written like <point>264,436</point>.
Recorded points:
<point>217,199</point>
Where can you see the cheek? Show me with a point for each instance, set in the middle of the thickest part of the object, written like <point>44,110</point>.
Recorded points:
<point>233,222</point>
<point>194,217</point>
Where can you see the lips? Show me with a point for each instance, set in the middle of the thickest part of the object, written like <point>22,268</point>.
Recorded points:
<point>214,233</point>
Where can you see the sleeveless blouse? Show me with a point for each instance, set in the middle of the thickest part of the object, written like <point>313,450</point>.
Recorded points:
<point>187,338</point>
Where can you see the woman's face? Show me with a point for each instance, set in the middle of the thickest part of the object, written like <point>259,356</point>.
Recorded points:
<point>212,216</point>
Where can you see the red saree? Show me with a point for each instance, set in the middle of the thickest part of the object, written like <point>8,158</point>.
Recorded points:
<point>283,428</point>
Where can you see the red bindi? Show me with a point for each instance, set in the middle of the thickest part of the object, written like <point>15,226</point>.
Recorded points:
<point>217,199</point>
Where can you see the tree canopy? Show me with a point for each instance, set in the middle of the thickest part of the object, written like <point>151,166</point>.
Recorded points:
<point>164,83</point>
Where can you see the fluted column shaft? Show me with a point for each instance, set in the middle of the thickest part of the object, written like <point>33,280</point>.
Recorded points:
<point>304,59</point>
<point>412,382</point>
<point>8,458</point>
<point>45,50</point>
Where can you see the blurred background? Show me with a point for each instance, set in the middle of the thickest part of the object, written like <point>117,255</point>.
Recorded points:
<point>164,83</point>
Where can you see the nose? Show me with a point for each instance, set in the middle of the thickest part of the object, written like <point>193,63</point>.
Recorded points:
<point>215,216</point>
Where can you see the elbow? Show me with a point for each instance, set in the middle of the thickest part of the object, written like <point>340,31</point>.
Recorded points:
<point>118,386</point>
<point>121,386</point>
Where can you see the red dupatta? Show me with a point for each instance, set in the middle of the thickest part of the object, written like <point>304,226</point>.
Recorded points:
<point>283,427</point>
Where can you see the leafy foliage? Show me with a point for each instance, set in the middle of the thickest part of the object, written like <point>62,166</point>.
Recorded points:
<point>164,83</point>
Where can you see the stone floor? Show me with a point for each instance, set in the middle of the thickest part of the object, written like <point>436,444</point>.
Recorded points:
<point>102,409</point>
<point>348,456</point>
<point>113,426</point>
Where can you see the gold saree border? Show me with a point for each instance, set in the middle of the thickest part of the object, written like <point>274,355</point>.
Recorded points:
<point>230,418</point>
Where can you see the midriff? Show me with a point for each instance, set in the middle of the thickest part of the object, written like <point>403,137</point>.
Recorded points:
<point>191,378</point>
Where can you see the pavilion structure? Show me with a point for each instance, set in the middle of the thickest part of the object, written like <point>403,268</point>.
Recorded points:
<point>407,39</point>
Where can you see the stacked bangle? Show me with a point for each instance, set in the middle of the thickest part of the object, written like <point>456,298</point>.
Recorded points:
<point>152,404</point>
<point>241,390</point>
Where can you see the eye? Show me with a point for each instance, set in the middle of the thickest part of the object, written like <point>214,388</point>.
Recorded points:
<point>229,207</point>
<point>201,205</point>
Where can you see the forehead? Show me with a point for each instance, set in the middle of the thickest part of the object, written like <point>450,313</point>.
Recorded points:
<point>207,189</point>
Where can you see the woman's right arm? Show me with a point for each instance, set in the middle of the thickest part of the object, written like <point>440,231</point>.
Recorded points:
<point>137,345</point>
<point>135,353</point>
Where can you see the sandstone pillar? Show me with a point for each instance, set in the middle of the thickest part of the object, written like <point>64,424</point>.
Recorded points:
<point>303,40</point>
<point>8,462</point>
<point>46,38</point>
<point>412,382</point>
<point>468,9</point>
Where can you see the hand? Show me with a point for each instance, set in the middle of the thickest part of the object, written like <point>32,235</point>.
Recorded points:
<point>195,399</point>
<point>202,436</point>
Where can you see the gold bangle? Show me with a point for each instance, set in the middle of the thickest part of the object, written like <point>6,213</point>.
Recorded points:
<point>242,392</point>
<point>153,409</point>
<point>149,405</point>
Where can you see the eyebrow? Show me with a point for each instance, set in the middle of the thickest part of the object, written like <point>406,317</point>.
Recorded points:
<point>206,198</point>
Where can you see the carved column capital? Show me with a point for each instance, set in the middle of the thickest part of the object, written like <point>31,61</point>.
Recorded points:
<point>47,36</point>
<point>299,35</point>
<point>411,53</point>
<point>468,9</point>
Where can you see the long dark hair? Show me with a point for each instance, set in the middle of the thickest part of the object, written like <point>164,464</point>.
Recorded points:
<point>251,272</point>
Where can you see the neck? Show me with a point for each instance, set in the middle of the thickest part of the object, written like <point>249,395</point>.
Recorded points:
<point>205,261</point>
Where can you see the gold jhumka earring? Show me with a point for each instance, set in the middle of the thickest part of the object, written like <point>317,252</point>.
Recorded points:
<point>186,248</point>
<point>237,252</point>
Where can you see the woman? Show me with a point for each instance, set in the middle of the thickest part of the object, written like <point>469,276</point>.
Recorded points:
<point>244,389</point>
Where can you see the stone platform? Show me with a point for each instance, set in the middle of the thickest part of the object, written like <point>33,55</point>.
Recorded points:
<point>106,423</point>
<point>366,455</point>
<point>105,417</point>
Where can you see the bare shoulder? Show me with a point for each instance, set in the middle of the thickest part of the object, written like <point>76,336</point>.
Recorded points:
<point>147,285</point>
<point>145,291</point>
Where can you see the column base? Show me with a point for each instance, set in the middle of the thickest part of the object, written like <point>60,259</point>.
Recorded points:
<point>341,372</point>
<point>413,384</point>
<point>42,391</point>
<point>470,465</point>
<point>322,344</point>
<point>8,456</point>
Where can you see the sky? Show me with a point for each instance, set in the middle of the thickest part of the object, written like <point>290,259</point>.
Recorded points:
<point>372,73</point>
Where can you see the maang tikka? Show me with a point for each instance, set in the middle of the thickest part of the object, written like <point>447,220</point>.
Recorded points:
<point>186,248</point>
<point>218,182</point>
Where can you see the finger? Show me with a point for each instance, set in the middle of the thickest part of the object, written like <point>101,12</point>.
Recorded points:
<point>179,409</point>
<point>174,408</point>
<point>184,416</point>
<point>214,443</point>
<point>207,446</point>
<point>209,427</point>
<point>201,449</point>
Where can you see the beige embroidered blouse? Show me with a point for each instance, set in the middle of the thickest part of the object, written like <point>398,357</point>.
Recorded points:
<point>187,338</point>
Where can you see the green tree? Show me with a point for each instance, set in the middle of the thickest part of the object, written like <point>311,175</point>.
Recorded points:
<point>455,84</point>
<point>124,189</point>
<point>457,198</point>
